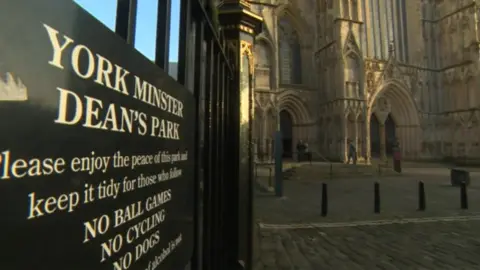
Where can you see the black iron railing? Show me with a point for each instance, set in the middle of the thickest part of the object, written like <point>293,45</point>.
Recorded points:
<point>204,67</point>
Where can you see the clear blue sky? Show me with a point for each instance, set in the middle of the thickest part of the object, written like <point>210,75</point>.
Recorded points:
<point>105,11</point>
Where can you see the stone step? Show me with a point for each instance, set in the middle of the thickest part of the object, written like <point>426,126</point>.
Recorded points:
<point>336,170</point>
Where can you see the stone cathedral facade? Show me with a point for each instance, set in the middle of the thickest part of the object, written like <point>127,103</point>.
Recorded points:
<point>370,71</point>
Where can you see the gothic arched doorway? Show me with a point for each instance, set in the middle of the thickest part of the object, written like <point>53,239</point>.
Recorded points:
<point>398,111</point>
<point>375,133</point>
<point>286,127</point>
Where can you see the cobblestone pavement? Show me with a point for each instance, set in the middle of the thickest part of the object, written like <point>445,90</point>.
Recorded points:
<point>433,245</point>
<point>293,235</point>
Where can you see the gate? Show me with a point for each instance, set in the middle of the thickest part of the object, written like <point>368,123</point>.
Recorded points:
<point>212,102</point>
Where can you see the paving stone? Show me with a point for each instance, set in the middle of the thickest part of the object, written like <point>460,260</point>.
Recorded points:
<point>353,237</point>
<point>397,246</point>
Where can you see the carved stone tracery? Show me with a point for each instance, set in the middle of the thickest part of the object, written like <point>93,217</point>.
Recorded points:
<point>246,48</point>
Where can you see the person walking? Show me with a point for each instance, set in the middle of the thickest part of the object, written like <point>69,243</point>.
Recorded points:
<point>308,153</point>
<point>300,148</point>
<point>352,152</point>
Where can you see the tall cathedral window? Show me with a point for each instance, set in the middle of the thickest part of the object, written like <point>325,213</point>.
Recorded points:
<point>385,21</point>
<point>354,10</point>
<point>290,56</point>
<point>262,65</point>
<point>405,35</point>
<point>401,38</point>
<point>346,9</point>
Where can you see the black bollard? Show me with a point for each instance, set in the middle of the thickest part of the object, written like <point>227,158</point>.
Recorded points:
<point>463,196</point>
<point>376,200</point>
<point>421,196</point>
<point>324,200</point>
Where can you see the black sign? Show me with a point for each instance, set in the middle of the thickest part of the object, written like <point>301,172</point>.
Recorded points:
<point>96,142</point>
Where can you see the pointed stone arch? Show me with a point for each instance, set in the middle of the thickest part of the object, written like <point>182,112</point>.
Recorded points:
<point>264,37</point>
<point>350,45</point>
<point>290,102</point>
<point>403,110</point>
<point>294,105</point>
<point>293,14</point>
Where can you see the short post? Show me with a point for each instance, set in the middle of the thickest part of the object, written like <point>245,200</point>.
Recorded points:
<point>463,196</point>
<point>270,177</point>
<point>421,196</point>
<point>376,200</point>
<point>256,170</point>
<point>324,200</point>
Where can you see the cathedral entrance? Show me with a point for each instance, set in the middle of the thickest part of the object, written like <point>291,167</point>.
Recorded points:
<point>376,134</point>
<point>393,105</point>
<point>390,134</point>
<point>286,127</point>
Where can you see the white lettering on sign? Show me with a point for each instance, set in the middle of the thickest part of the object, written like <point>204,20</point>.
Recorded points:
<point>40,207</point>
<point>117,190</point>
<point>97,225</point>
<point>149,94</point>
<point>95,113</point>
<point>92,113</point>
<point>90,164</point>
<point>99,65</point>
<point>20,168</point>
